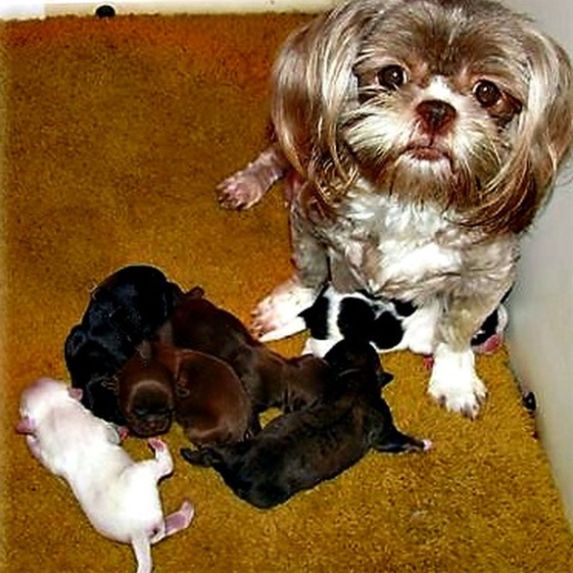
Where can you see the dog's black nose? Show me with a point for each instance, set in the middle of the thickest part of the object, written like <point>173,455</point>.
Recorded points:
<point>436,115</point>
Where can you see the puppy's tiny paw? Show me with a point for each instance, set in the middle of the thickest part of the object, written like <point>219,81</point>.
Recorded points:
<point>122,432</point>
<point>157,445</point>
<point>491,345</point>
<point>187,511</point>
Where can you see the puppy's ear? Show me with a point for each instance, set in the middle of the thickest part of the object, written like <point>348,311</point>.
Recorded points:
<point>111,383</point>
<point>25,426</point>
<point>196,292</point>
<point>145,351</point>
<point>384,378</point>
<point>75,340</point>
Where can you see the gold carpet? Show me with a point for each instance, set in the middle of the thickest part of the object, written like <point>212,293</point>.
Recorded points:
<point>116,134</point>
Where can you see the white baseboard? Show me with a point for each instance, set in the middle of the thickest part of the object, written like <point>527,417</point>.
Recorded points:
<point>25,9</point>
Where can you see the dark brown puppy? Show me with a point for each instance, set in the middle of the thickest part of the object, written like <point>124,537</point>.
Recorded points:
<point>299,450</point>
<point>146,394</point>
<point>211,403</point>
<point>270,379</point>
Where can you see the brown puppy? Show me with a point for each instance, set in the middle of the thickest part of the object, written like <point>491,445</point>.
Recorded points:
<point>146,394</point>
<point>210,402</point>
<point>270,379</point>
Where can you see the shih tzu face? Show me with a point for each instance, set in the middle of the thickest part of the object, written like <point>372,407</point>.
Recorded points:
<point>459,104</point>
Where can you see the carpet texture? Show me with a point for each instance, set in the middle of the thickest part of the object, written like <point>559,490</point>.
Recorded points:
<point>116,134</point>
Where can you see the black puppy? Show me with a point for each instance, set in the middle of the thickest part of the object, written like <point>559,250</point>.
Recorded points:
<point>297,451</point>
<point>124,309</point>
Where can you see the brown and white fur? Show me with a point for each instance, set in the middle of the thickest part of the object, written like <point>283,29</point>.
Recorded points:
<point>423,136</point>
<point>119,496</point>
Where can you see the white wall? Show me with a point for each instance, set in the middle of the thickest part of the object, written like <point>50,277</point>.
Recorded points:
<point>540,334</point>
<point>38,9</point>
<point>541,306</point>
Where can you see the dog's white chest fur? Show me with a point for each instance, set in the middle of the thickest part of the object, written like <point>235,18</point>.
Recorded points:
<point>394,248</point>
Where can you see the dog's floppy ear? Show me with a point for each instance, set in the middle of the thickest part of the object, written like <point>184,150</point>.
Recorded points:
<point>313,82</point>
<point>544,136</point>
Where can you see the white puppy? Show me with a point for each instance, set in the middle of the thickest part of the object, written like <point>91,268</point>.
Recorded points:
<point>120,497</point>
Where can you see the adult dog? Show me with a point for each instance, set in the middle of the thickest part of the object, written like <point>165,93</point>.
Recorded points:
<point>423,136</point>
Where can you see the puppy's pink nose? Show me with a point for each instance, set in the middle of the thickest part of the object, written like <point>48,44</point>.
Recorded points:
<point>436,115</point>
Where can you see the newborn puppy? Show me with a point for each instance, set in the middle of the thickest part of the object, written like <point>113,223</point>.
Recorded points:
<point>120,497</point>
<point>388,324</point>
<point>270,379</point>
<point>146,394</point>
<point>211,404</point>
<point>299,450</point>
<point>124,309</point>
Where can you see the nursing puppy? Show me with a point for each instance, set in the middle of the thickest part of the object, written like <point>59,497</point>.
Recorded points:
<point>424,137</point>
<point>270,379</point>
<point>389,325</point>
<point>120,497</point>
<point>299,450</point>
<point>124,309</point>
<point>211,403</point>
<point>146,394</point>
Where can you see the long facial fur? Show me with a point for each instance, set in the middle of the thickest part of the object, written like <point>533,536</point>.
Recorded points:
<point>337,126</point>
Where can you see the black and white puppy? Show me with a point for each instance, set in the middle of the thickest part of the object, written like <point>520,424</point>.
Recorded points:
<point>388,324</point>
<point>124,309</point>
<point>298,450</point>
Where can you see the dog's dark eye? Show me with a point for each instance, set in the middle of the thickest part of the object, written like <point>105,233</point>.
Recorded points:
<point>487,93</point>
<point>392,77</point>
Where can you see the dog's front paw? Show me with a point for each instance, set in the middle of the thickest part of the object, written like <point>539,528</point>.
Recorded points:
<point>240,191</point>
<point>277,316</point>
<point>454,382</point>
